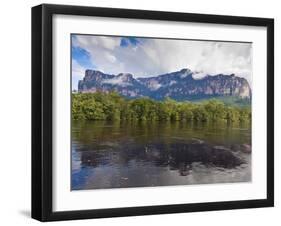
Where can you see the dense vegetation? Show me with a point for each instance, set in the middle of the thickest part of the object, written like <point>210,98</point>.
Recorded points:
<point>112,106</point>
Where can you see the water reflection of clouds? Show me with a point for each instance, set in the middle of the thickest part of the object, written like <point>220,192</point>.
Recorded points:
<point>136,156</point>
<point>133,165</point>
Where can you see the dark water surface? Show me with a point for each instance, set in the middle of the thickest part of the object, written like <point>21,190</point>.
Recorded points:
<point>118,155</point>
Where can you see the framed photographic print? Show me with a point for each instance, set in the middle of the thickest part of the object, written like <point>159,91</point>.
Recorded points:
<point>145,112</point>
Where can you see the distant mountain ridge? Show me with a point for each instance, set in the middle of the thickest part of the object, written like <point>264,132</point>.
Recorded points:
<point>179,85</point>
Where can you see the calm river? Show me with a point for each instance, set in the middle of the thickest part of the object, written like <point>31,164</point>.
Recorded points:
<point>118,155</point>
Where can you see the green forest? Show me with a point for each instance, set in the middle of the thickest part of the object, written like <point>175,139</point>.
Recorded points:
<point>112,107</point>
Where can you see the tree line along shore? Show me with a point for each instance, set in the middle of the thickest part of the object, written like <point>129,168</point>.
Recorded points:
<point>112,107</point>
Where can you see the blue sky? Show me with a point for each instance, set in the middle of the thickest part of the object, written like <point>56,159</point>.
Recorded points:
<point>82,59</point>
<point>144,57</point>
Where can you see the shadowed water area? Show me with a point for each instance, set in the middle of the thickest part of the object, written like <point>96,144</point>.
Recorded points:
<point>118,155</point>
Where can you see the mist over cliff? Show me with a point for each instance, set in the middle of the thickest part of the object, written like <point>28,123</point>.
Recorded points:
<point>179,85</point>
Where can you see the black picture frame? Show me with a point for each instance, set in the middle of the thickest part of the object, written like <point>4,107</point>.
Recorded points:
<point>42,106</point>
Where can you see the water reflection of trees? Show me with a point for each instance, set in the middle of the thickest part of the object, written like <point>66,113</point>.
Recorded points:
<point>176,146</point>
<point>93,133</point>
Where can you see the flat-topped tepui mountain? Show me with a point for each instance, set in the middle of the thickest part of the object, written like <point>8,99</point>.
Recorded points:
<point>179,85</point>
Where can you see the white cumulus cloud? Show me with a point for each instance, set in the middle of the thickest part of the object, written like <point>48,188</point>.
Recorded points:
<point>150,57</point>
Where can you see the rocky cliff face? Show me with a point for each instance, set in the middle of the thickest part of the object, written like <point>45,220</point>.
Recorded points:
<point>179,85</point>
